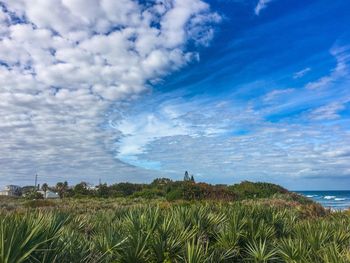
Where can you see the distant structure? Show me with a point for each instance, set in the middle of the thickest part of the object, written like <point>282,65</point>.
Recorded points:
<point>36,181</point>
<point>11,190</point>
<point>49,194</point>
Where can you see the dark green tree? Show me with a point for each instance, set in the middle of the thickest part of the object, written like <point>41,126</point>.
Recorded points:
<point>186,177</point>
<point>192,179</point>
<point>45,187</point>
<point>62,188</point>
<point>103,191</point>
<point>81,189</point>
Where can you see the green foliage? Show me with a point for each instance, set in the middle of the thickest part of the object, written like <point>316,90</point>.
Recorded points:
<point>62,188</point>
<point>39,203</point>
<point>174,194</point>
<point>260,252</point>
<point>149,193</point>
<point>256,190</point>
<point>103,191</point>
<point>186,177</point>
<point>34,195</point>
<point>123,230</point>
<point>30,237</point>
<point>81,189</point>
<point>187,189</point>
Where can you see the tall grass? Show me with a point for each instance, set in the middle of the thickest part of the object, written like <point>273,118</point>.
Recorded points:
<point>185,232</point>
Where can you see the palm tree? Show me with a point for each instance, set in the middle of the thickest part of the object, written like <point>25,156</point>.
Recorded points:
<point>62,188</point>
<point>45,187</point>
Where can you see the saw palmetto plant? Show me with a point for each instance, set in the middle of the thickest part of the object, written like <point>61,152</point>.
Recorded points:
<point>171,233</point>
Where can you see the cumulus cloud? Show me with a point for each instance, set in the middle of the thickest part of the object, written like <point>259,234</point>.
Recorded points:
<point>63,63</point>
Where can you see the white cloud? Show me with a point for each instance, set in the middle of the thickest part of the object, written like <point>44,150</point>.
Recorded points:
<point>301,73</point>
<point>223,140</point>
<point>262,4</point>
<point>328,112</point>
<point>277,93</point>
<point>342,56</point>
<point>169,119</point>
<point>64,63</point>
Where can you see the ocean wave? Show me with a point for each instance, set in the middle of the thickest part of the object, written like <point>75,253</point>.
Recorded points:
<point>339,199</point>
<point>329,197</point>
<point>311,196</point>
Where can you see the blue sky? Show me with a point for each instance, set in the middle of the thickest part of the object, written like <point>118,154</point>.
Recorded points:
<point>228,90</point>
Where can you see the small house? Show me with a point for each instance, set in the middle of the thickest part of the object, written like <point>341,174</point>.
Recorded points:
<point>11,190</point>
<point>49,194</point>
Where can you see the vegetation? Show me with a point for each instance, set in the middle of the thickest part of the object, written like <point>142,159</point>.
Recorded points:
<point>139,230</point>
<point>170,222</point>
<point>187,189</point>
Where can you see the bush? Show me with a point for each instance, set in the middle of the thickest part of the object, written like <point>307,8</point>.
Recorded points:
<point>149,193</point>
<point>100,230</point>
<point>39,203</point>
<point>248,189</point>
<point>34,195</point>
<point>174,194</point>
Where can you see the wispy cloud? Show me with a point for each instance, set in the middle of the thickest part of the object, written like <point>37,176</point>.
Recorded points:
<point>277,93</point>
<point>342,56</point>
<point>301,73</point>
<point>262,4</point>
<point>328,112</point>
<point>248,147</point>
<point>169,119</point>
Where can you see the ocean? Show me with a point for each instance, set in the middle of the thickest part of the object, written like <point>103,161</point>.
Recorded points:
<point>338,200</point>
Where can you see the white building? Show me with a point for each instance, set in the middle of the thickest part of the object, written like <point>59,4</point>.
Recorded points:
<point>11,190</point>
<point>49,194</point>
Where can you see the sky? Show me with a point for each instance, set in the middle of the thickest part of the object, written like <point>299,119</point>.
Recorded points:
<point>229,90</point>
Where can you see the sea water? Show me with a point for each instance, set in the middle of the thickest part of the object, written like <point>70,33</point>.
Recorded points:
<point>338,200</point>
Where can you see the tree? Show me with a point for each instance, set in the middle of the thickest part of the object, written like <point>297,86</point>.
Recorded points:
<point>62,188</point>
<point>103,190</point>
<point>161,181</point>
<point>81,189</point>
<point>192,179</point>
<point>45,187</point>
<point>186,177</point>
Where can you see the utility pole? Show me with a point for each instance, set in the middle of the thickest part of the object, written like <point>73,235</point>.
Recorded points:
<point>36,181</point>
<point>99,181</point>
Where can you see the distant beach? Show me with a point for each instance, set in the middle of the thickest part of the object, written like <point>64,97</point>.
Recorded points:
<point>338,200</point>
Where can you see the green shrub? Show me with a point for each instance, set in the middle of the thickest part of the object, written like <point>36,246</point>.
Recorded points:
<point>149,193</point>
<point>34,195</point>
<point>247,189</point>
<point>39,203</point>
<point>175,194</point>
<point>145,230</point>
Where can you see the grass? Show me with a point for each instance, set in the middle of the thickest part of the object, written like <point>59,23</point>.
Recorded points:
<point>139,230</point>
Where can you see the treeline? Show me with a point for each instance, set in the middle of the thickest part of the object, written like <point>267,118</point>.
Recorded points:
<point>171,190</point>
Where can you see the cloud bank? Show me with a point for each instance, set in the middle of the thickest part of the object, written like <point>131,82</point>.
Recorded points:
<point>283,135</point>
<point>63,63</point>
